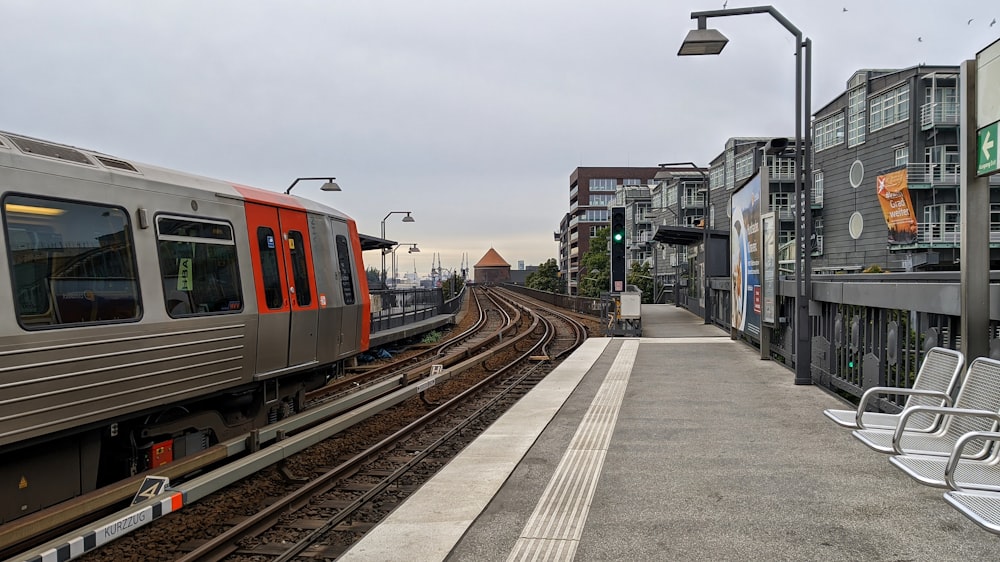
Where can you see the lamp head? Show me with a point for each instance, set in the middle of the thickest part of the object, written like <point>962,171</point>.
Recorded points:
<point>330,185</point>
<point>408,218</point>
<point>703,42</point>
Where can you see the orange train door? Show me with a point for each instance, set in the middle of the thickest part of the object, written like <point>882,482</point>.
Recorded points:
<point>285,286</point>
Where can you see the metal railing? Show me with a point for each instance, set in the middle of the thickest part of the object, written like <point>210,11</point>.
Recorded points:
<point>938,114</point>
<point>399,307</point>
<point>933,173</point>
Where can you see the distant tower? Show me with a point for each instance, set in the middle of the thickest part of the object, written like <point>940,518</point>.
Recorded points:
<point>492,268</point>
<point>520,265</point>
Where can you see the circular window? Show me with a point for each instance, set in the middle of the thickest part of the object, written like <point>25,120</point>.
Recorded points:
<point>856,225</point>
<point>857,174</point>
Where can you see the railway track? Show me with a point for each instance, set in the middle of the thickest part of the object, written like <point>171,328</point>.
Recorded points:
<point>343,484</point>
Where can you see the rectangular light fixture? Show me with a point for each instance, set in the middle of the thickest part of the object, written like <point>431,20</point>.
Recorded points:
<point>703,42</point>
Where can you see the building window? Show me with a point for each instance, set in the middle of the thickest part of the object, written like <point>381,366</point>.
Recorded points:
<point>744,165</point>
<point>601,200</point>
<point>780,168</point>
<point>941,94</point>
<point>717,176</point>
<point>901,155</point>
<point>829,132</point>
<point>593,230</point>
<point>627,182</point>
<point>781,203</point>
<point>889,108</point>
<point>72,263</point>
<point>602,184</point>
<point>856,116</point>
<point>596,215</point>
<point>817,194</point>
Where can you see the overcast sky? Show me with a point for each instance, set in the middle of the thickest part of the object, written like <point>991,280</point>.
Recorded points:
<point>470,113</point>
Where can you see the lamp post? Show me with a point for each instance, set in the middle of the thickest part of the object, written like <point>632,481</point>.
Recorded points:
<point>705,236</point>
<point>407,218</point>
<point>411,250</point>
<point>330,184</point>
<point>703,41</point>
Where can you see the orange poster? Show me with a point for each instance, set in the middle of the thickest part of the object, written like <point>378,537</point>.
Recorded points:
<point>897,208</point>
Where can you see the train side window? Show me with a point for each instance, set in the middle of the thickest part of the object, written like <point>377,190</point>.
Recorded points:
<point>267,244</point>
<point>198,266</point>
<point>73,263</point>
<point>300,270</point>
<point>346,272</point>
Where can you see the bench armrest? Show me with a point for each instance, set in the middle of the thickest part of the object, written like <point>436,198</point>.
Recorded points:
<point>942,410</point>
<point>956,455</point>
<point>878,390</point>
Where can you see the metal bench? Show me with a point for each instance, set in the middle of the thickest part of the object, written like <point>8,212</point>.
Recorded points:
<point>957,470</point>
<point>975,484</point>
<point>976,410</point>
<point>936,380</point>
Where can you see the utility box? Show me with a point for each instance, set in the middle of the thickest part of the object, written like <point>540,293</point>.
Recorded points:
<point>631,305</point>
<point>622,313</point>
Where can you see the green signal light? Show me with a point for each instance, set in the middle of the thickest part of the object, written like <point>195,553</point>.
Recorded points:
<point>619,237</point>
<point>850,364</point>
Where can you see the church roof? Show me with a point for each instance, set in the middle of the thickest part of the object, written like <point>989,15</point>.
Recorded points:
<point>492,259</point>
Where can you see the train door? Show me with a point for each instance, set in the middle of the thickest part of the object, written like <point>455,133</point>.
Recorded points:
<point>287,311</point>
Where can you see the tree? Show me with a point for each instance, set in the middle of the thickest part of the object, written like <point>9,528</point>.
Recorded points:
<point>452,285</point>
<point>546,278</point>
<point>374,279</point>
<point>595,266</point>
<point>639,275</point>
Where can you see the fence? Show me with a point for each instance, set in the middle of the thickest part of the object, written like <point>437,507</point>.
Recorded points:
<point>395,308</point>
<point>866,329</point>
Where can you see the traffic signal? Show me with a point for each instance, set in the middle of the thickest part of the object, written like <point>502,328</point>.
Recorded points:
<point>617,249</point>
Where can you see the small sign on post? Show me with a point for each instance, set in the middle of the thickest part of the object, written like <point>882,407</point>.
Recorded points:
<point>151,487</point>
<point>986,150</point>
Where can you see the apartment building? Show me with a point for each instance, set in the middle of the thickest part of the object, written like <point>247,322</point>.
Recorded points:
<point>592,191</point>
<point>886,171</point>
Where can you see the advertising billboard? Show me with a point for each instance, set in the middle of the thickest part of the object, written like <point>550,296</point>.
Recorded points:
<point>745,257</point>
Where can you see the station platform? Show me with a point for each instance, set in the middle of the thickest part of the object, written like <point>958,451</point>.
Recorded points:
<point>680,445</point>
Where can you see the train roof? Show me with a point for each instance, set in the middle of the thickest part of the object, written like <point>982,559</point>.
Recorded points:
<point>91,164</point>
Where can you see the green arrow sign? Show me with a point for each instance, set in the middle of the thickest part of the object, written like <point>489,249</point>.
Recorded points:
<point>987,147</point>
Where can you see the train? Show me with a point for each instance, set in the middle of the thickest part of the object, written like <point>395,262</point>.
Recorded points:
<point>148,314</point>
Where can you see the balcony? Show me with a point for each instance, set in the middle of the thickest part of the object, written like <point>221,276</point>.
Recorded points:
<point>816,198</point>
<point>939,114</point>
<point>784,212</point>
<point>933,174</point>
<point>693,202</point>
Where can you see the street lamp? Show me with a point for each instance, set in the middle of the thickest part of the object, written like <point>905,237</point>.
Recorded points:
<point>705,236</point>
<point>413,249</point>
<point>704,41</point>
<point>407,218</point>
<point>330,184</point>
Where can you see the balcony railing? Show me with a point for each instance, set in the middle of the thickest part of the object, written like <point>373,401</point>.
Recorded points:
<point>693,202</point>
<point>949,233</point>
<point>933,173</point>
<point>784,212</point>
<point>816,199</point>
<point>939,114</point>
